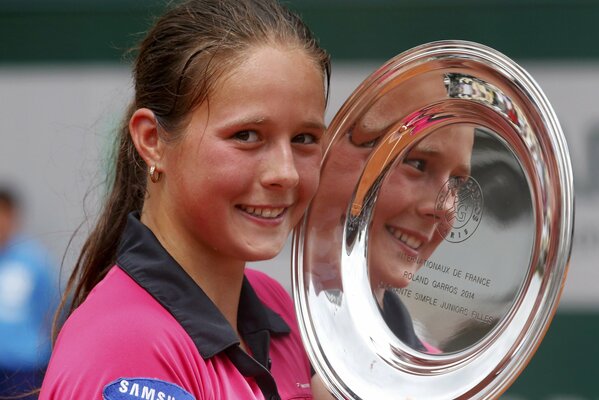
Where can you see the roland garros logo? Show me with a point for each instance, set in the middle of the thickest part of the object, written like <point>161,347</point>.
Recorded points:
<point>459,207</point>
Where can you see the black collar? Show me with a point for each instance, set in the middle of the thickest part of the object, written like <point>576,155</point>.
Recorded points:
<point>143,258</point>
<point>398,318</point>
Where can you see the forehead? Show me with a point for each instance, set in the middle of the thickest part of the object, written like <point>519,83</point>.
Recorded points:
<point>455,136</point>
<point>449,147</point>
<point>268,75</point>
<point>269,61</point>
<point>271,87</point>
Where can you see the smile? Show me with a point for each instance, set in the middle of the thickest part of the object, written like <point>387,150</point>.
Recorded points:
<point>407,239</point>
<point>263,212</point>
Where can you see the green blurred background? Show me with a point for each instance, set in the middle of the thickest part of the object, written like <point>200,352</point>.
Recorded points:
<point>51,50</point>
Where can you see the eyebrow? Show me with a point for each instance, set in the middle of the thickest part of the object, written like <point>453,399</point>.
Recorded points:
<point>264,121</point>
<point>371,128</point>
<point>314,125</point>
<point>434,151</point>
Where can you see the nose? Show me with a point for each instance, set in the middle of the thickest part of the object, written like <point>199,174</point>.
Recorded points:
<point>278,167</point>
<point>427,207</point>
<point>436,202</point>
<point>440,203</point>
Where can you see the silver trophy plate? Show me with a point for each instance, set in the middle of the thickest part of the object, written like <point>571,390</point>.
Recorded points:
<point>431,261</point>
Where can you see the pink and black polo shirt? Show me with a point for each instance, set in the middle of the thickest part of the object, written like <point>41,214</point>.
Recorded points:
<point>147,331</point>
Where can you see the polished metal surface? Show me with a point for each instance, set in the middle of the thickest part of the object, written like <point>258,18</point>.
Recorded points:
<point>431,261</point>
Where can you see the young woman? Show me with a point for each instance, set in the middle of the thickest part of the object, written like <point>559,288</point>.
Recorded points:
<point>216,162</point>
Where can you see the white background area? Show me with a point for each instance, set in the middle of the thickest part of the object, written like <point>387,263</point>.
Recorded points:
<point>57,124</point>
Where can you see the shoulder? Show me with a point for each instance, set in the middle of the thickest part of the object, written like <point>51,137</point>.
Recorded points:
<point>119,306</point>
<point>119,331</point>
<point>260,280</point>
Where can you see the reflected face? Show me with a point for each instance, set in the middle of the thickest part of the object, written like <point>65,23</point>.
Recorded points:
<point>404,225</point>
<point>407,218</point>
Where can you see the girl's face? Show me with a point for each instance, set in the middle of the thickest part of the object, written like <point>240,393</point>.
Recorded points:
<point>248,163</point>
<point>406,222</point>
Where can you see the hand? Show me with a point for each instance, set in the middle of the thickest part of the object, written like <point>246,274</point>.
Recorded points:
<point>319,390</point>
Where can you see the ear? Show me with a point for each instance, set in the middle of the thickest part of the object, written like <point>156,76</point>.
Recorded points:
<point>143,129</point>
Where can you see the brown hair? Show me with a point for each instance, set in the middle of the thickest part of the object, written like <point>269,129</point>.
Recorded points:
<point>178,62</point>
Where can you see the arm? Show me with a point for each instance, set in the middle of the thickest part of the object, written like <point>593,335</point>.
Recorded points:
<point>319,390</point>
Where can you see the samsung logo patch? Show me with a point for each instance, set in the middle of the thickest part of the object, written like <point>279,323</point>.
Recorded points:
<point>144,389</point>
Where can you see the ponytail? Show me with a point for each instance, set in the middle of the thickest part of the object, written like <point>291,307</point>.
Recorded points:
<point>126,194</point>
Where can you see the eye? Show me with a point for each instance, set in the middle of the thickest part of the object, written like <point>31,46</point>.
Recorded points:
<point>247,136</point>
<point>304,138</point>
<point>416,163</point>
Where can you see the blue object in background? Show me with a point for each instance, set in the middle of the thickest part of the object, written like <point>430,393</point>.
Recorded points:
<point>28,299</point>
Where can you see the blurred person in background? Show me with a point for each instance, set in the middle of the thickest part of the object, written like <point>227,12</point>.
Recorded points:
<point>28,297</point>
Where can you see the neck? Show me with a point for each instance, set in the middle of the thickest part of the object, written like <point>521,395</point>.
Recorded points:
<point>218,276</point>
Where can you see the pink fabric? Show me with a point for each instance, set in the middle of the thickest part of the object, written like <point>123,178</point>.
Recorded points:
<point>430,349</point>
<point>121,331</point>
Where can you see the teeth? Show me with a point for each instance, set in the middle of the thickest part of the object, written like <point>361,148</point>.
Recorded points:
<point>263,212</point>
<point>403,237</point>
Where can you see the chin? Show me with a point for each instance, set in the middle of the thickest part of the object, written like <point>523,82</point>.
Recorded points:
<point>402,284</point>
<point>399,280</point>
<point>388,281</point>
<point>262,254</point>
<point>398,283</point>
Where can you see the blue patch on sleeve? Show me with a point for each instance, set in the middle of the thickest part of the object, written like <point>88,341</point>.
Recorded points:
<point>144,389</point>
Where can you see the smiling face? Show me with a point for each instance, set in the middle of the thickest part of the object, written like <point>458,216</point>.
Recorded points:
<point>407,218</point>
<point>405,225</point>
<point>247,165</point>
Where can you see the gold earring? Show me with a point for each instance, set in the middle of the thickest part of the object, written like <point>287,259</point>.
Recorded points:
<point>154,174</point>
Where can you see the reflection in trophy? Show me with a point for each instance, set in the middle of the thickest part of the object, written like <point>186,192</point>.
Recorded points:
<point>348,157</point>
<point>409,220</point>
<point>431,259</point>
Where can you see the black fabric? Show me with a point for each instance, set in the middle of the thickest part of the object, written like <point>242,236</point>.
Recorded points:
<point>143,258</point>
<point>398,318</point>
